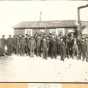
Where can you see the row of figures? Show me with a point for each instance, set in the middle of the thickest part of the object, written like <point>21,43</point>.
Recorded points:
<point>44,45</point>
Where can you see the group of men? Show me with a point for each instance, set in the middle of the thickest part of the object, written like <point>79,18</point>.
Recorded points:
<point>43,45</point>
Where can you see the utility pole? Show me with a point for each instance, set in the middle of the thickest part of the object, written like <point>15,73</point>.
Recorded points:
<point>40,15</point>
<point>78,19</point>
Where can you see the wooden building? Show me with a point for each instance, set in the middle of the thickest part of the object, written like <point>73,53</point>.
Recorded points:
<point>31,27</point>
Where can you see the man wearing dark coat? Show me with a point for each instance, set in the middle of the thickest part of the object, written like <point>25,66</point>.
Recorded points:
<point>87,49</point>
<point>79,43</point>
<point>45,48</point>
<point>84,49</point>
<point>2,45</point>
<point>62,50</point>
<point>14,44</point>
<point>53,47</point>
<point>27,49</point>
<point>9,45</point>
<point>32,45</point>
<point>58,45</point>
<point>18,45</point>
<point>22,45</point>
<point>38,45</point>
<point>71,42</point>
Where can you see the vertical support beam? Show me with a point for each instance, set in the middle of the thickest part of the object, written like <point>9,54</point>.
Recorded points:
<point>78,11</point>
<point>78,22</point>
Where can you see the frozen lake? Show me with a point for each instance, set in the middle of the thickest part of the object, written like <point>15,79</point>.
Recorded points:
<point>28,69</point>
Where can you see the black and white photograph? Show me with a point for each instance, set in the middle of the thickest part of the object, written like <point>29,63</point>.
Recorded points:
<point>44,41</point>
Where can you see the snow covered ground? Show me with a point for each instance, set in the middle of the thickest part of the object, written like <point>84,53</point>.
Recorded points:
<point>37,69</point>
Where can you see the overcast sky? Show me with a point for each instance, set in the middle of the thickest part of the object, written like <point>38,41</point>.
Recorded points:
<point>14,12</point>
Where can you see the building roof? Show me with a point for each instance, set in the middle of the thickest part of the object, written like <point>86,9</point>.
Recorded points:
<point>46,24</point>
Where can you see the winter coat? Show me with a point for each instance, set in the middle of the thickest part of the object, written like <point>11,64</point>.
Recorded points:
<point>32,44</point>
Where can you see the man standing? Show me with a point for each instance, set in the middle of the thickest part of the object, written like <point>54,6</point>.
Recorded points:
<point>18,45</point>
<point>38,46</point>
<point>87,49</point>
<point>14,44</point>
<point>2,44</point>
<point>9,45</point>
<point>62,50</point>
<point>32,45</point>
<point>84,49</point>
<point>45,47</point>
<point>27,49</point>
<point>53,45</point>
<point>79,43</point>
<point>22,45</point>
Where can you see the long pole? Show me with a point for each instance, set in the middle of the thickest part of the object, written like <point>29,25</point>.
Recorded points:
<point>79,20</point>
<point>40,16</point>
